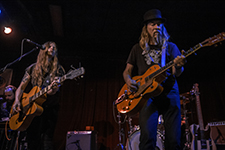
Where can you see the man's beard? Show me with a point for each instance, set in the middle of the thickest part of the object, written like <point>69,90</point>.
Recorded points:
<point>158,38</point>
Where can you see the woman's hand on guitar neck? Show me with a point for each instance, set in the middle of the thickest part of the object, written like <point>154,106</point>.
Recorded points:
<point>54,86</point>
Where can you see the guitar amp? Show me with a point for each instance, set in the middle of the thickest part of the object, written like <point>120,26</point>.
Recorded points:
<point>217,134</point>
<point>81,140</point>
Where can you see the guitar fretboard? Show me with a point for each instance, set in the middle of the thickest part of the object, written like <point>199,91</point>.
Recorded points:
<point>40,93</point>
<point>70,75</point>
<point>46,89</point>
<point>171,63</point>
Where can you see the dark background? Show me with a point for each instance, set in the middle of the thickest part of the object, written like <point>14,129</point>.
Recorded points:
<point>98,35</point>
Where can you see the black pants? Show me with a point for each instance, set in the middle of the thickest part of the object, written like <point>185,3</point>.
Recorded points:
<point>40,132</point>
<point>169,107</point>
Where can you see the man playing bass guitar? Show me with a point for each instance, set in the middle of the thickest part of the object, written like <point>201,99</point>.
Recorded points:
<point>155,49</point>
<point>40,74</point>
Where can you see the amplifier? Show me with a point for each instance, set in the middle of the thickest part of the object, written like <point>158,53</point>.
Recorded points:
<point>218,132</point>
<point>81,140</point>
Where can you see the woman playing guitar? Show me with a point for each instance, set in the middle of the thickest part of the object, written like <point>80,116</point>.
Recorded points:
<point>40,74</point>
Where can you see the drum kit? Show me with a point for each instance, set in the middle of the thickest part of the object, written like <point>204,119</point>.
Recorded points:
<point>132,142</point>
<point>133,135</point>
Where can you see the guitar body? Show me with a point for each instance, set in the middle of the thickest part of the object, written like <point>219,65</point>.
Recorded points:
<point>201,139</point>
<point>147,87</point>
<point>29,109</point>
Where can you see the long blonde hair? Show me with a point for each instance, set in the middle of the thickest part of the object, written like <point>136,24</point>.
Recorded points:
<point>43,65</point>
<point>144,41</point>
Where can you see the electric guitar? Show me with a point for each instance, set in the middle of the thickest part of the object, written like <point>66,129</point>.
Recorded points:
<point>149,83</point>
<point>31,102</point>
<point>200,136</point>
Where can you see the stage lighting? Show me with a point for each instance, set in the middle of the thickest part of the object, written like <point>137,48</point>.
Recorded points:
<point>7,30</point>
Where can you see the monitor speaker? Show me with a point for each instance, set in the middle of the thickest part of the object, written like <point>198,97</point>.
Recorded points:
<point>81,140</point>
<point>217,134</point>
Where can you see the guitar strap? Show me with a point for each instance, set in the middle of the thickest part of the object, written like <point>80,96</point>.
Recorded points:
<point>163,56</point>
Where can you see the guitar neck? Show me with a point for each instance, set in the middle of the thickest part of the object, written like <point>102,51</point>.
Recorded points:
<point>208,42</point>
<point>198,107</point>
<point>70,75</point>
<point>199,112</point>
<point>171,63</point>
<point>46,89</point>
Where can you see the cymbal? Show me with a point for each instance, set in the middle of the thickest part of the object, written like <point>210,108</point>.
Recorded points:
<point>187,113</point>
<point>185,100</point>
<point>182,115</point>
<point>185,95</point>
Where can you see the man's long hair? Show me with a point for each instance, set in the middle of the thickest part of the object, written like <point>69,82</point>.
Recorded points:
<point>43,66</point>
<point>145,38</point>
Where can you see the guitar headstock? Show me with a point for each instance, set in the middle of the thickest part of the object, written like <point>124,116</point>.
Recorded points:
<point>213,40</point>
<point>196,89</point>
<point>74,73</point>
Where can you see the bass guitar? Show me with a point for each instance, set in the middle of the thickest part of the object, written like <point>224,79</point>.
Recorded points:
<point>31,102</point>
<point>200,136</point>
<point>149,83</point>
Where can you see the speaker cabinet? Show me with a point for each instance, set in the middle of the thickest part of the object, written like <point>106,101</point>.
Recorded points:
<point>218,134</point>
<point>81,140</point>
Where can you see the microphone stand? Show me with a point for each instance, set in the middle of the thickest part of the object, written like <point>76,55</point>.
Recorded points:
<point>121,145</point>
<point>187,145</point>
<point>18,59</point>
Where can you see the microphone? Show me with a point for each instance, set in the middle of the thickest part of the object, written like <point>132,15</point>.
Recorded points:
<point>157,37</point>
<point>77,141</point>
<point>38,45</point>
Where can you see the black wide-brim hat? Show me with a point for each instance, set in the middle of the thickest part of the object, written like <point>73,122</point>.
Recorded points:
<point>153,14</point>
